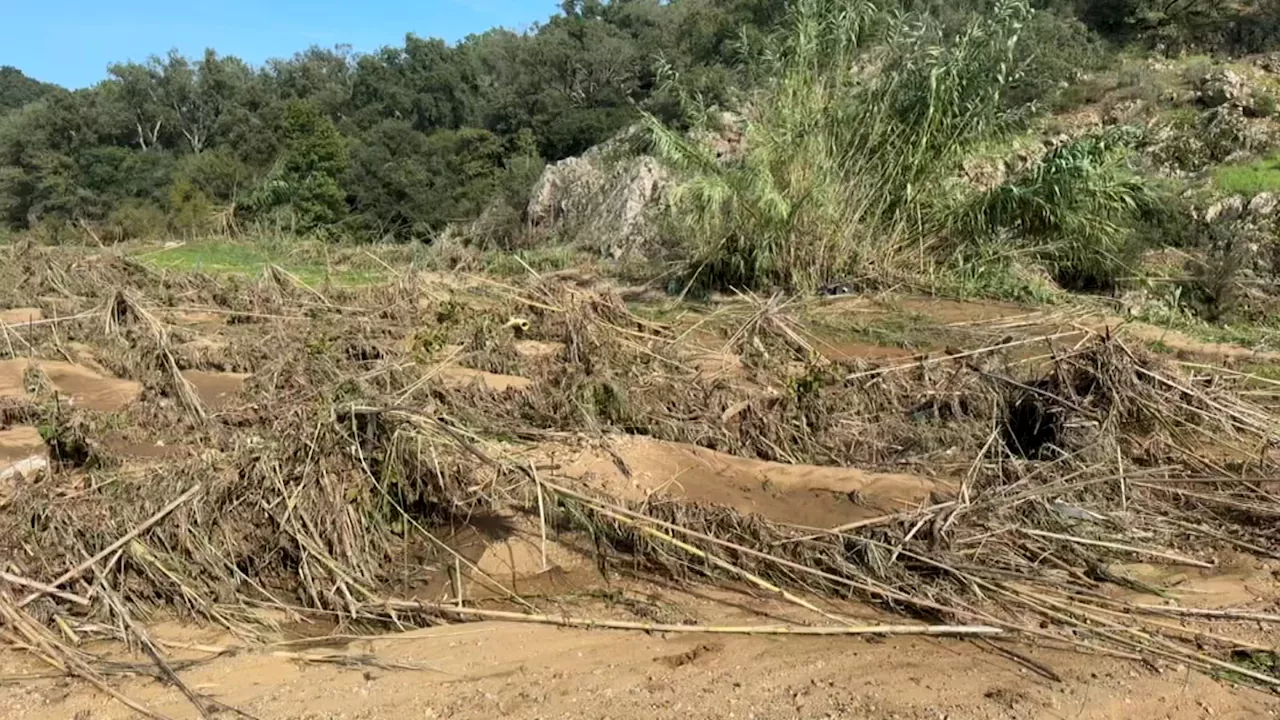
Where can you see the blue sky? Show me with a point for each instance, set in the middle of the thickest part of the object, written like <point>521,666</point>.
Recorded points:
<point>71,42</point>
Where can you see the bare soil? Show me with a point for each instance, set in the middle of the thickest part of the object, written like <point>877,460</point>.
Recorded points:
<point>492,669</point>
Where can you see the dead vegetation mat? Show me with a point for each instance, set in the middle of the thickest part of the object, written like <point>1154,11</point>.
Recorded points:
<point>325,491</point>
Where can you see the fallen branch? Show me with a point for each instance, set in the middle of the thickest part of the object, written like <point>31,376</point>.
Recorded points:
<point>124,540</point>
<point>592,623</point>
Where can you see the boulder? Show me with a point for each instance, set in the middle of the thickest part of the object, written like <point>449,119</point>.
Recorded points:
<point>1269,62</point>
<point>1223,87</point>
<point>1264,205</point>
<point>602,199</point>
<point>1225,210</point>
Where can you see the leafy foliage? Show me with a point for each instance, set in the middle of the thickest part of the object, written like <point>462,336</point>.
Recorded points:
<point>855,114</point>
<point>306,183</point>
<point>16,89</point>
<point>1076,208</point>
<point>846,149</point>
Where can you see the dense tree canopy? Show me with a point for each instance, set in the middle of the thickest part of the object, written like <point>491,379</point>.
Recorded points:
<point>403,140</point>
<point>16,89</point>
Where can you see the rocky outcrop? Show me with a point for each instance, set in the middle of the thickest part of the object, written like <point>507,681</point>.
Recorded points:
<point>1249,227</point>
<point>1224,87</point>
<point>601,199</point>
<point>1268,63</point>
<point>1226,210</point>
<point>1264,205</point>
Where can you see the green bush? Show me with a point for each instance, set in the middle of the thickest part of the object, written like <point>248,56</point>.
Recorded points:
<point>190,210</point>
<point>1055,50</point>
<point>305,190</point>
<point>135,220</point>
<point>843,166</point>
<point>1087,91</point>
<point>1076,209</point>
<point>1264,105</point>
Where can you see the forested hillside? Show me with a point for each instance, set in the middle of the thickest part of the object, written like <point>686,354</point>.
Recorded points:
<point>399,142</point>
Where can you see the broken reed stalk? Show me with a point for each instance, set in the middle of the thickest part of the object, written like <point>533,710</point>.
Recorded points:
<point>958,356</point>
<point>136,631</point>
<point>1208,613</point>
<point>1172,557</point>
<point>59,656</point>
<point>119,307</point>
<point>723,565</point>
<point>46,589</point>
<point>124,540</point>
<point>593,623</point>
<point>881,592</point>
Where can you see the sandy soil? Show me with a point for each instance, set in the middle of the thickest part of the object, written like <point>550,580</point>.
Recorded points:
<point>81,385</point>
<point>456,376</point>
<point>491,669</point>
<point>805,495</point>
<point>487,670</point>
<point>216,389</point>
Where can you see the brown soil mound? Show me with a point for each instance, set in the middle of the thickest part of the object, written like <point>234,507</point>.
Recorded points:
<point>806,495</point>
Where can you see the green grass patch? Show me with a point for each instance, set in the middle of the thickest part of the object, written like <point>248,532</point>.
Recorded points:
<point>547,259</point>
<point>1251,178</point>
<point>311,262</point>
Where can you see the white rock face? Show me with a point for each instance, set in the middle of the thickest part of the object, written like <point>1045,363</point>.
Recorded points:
<point>610,204</point>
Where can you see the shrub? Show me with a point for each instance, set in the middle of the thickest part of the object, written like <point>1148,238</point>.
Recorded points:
<point>305,189</point>
<point>135,220</point>
<point>1055,50</point>
<point>1264,105</point>
<point>1076,208</point>
<point>846,153</point>
<point>190,210</point>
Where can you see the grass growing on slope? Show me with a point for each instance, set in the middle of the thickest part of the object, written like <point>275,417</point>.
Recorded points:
<point>1076,210</point>
<point>1250,179</point>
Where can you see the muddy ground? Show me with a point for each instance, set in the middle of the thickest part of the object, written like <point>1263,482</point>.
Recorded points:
<point>348,446</point>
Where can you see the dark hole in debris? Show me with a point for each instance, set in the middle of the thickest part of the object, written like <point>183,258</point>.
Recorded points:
<point>1033,425</point>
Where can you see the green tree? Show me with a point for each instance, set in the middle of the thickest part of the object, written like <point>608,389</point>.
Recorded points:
<point>16,89</point>
<point>314,157</point>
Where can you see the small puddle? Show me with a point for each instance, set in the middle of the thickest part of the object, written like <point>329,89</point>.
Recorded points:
<point>216,389</point>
